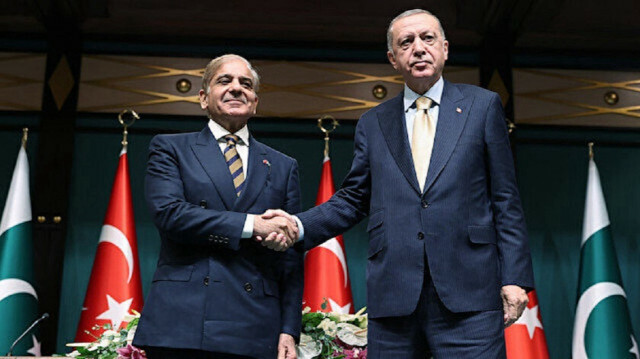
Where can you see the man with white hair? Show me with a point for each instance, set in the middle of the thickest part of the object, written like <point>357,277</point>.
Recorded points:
<point>217,293</point>
<point>448,260</point>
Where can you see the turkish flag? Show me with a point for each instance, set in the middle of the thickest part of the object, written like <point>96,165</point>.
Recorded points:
<point>326,277</point>
<point>114,286</point>
<point>525,338</point>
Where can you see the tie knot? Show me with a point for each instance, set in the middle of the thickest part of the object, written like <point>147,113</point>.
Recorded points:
<point>423,103</point>
<point>231,139</point>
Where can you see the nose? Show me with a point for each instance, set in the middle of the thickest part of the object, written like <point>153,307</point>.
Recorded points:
<point>419,48</point>
<point>235,86</point>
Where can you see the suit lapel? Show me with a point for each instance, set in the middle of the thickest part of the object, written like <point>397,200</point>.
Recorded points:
<point>257,173</point>
<point>210,157</point>
<point>394,130</point>
<point>454,111</point>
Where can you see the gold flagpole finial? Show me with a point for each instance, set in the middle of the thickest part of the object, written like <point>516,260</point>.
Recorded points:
<point>334,123</point>
<point>590,150</point>
<point>25,134</point>
<point>133,117</point>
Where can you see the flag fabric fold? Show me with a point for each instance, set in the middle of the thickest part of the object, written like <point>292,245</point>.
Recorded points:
<point>326,276</point>
<point>18,296</point>
<point>114,287</point>
<point>602,326</point>
<point>525,338</point>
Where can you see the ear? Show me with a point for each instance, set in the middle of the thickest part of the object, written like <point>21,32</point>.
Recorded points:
<point>445,46</point>
<point>392,60</point>
<point>255,107</point>
<point>203,99</point>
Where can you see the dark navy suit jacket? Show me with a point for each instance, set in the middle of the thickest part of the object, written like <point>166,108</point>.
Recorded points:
<point>467,226</point>
<point>213,290</point>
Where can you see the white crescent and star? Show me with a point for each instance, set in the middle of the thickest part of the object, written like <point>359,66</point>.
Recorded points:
<point>116,311</point>
<point>13,286</point>
<point>588,301</point>
<point>113,235</point>
<point>337,308</point>
<point>529,318</point>
<point>35,349</point>
<point>334,246</point>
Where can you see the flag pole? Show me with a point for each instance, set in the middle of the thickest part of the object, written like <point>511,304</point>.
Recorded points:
<point>133,117</point>
<point>334,123</point>
<point>25,134</point>
<point>590,150</point>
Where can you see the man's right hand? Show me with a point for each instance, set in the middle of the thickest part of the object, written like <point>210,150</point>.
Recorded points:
<point>276,230</point>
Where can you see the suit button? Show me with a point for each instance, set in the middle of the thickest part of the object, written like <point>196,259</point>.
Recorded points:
<point>420,235</point>
<point>206,280</point>
<point>203,204</point>
<point>248,287</point>
<point>424,204</point>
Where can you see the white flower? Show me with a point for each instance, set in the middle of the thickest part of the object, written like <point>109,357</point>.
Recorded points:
<point>306,310</point>
<point>73,354</point>
<point>352,335</point>
<point>131,334</point>
<point>329,327</point>
<point>308,348</point>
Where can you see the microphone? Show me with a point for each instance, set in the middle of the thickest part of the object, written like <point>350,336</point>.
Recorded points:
<point>35,322</point>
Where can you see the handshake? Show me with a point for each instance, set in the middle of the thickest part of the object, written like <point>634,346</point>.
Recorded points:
<point>276,229</point>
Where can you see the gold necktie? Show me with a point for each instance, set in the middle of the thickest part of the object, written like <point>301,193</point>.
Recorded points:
<point>422,139</point>
<point>234,162</point>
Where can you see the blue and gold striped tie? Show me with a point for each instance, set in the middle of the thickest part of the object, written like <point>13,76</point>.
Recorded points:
<point>234,163</point>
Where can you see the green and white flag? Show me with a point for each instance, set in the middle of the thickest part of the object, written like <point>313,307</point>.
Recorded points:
<point>18,298</point>
<point>602,327</point>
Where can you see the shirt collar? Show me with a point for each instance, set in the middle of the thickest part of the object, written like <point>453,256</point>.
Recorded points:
<point>219,132</point>
<point>434,93</point>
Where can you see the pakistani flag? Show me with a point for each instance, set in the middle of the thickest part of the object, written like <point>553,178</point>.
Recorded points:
<point>602,328</point>
<point>18,298</point>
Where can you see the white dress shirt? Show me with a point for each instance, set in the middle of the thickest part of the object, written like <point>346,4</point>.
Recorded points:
<point>409,100</point>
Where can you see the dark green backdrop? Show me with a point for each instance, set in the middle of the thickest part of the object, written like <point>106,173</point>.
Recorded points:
<point>551,166</point>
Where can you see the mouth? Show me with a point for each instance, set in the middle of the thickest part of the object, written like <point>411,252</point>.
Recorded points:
<point>235,100</point>
<point>421,64</point>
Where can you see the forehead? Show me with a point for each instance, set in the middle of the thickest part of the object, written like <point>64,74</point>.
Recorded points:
<point>235,68</point>
<point>415,23</point>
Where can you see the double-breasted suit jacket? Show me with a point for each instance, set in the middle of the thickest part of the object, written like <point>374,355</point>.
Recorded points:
<point>213,290</point>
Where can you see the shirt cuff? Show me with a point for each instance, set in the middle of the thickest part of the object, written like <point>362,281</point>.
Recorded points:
<point>300,228</point>
<point>247,230</point>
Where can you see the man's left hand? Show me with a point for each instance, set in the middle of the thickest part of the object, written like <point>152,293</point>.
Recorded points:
<point>286,347</point>
<point>514,300</point>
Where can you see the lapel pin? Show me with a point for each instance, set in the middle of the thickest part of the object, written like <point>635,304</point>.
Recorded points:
<point>458,110</point>
<point>266,162</point>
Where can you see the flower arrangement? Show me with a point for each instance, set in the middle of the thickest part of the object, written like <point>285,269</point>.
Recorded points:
<point>111,344</point>
<point>333,335</point>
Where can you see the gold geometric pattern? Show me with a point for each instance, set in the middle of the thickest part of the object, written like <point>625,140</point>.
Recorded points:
<point>287,89</point>
<point>21,81</point>
<point>576,97</point>
<point>61,82</point>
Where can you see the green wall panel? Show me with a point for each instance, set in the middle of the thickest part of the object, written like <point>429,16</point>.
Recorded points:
<point>552,173</point>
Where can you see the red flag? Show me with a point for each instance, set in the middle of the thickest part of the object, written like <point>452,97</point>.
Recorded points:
<point>114,286</point>
<point>525,338</point>
<point>326,276</point>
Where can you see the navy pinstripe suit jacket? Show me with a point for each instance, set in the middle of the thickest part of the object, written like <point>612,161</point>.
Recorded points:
<point>467,226</point>
<point>213,290</point>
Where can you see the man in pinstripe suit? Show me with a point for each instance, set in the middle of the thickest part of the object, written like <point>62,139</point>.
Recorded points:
<point>217,293</point>
<point>448,260</point>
